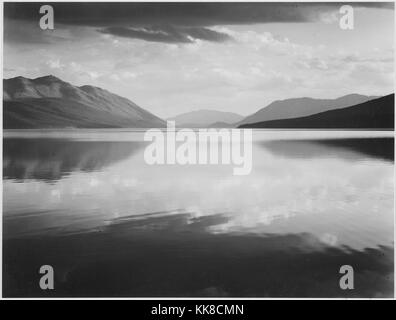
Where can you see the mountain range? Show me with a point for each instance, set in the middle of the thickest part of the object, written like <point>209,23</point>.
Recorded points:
<point>373,114</point>
<point>48,102</point>
<point>206,118</point>
<point>301,107</point>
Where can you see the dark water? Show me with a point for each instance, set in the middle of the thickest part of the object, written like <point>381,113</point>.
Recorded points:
<point>87,204</point>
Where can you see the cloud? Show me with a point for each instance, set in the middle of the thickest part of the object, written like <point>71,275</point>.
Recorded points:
<point>182,14</point>
<point>176,22</point>
<point>28,32</point>
<point>168,34</point>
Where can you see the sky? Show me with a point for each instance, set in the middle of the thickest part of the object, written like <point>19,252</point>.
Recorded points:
<point>179,57</point>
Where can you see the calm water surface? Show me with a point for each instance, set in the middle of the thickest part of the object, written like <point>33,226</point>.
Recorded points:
<point>86,203</point>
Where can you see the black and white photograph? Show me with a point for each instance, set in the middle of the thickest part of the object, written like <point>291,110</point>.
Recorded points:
<point>222,150</point>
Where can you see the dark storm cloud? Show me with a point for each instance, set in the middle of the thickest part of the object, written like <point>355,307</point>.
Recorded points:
<point>175,22</point>
<point>168,34</point>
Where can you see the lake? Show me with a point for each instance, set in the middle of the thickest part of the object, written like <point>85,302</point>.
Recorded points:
<point>86,203</point>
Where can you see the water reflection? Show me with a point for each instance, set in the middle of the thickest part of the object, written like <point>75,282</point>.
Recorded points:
<point>171,255</point>
<point>307,207</point>
<point>348,149</point>
<point>53,159</point>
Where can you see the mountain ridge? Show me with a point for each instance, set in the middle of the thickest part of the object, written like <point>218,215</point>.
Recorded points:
<point>205,118</point>
<point>304,106</point>
<point>373,114</point>
<point>47,102</point>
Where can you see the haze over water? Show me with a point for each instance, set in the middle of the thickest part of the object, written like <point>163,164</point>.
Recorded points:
<point>86,203</point>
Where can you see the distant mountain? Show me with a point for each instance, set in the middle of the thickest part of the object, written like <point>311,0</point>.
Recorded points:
<point>205,118</point>
<point>48,102</point>
<point>301,107</point>
<point>373,114</point>
<point>221,124</point>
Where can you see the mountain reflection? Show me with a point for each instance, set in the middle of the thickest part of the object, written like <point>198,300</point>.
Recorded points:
<point>347,149</point>
<point>52,159</point>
